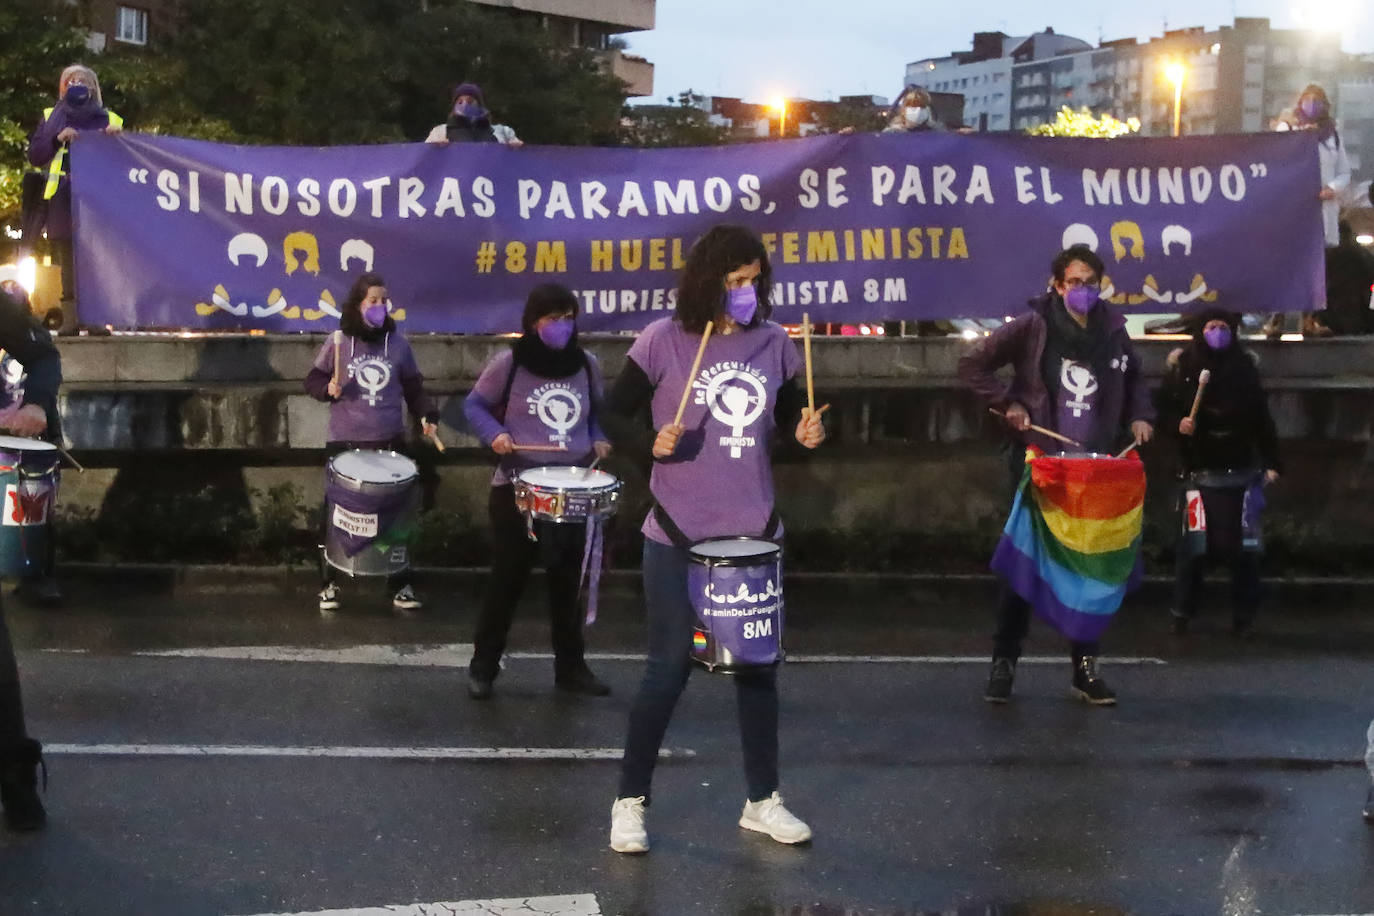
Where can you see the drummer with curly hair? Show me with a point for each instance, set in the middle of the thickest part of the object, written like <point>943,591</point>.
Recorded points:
<point>544,391</point>
<point>1074,372</point>
<point>711,478</point>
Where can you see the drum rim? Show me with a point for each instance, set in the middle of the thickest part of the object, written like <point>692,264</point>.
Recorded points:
<point>30,445</point>
<point>414,474</point>
<point>744,560</point>
<point>615,484</point>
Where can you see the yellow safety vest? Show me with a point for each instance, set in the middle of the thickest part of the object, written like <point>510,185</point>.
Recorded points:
<point>57,167</point>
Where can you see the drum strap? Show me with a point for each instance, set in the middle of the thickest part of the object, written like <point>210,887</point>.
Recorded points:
<point>670,528</point>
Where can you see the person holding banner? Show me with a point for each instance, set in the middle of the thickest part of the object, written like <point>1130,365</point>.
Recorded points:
<point>469,121</point>
<point>544,388</point>
<point>711,479</point>
<point>1228,451</point>
<point>80,107</point>
<point>1075,378</point>
<point>913,112</point>
<point>366,372</point>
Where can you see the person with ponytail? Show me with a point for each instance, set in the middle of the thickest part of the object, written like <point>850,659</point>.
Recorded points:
<point>545,389</point>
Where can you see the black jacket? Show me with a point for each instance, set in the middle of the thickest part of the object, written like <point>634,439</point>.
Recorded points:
<point>26,340</point>
<point>1234,427</point>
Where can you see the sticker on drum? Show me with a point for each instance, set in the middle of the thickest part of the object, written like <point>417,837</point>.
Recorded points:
<point>735,587</point>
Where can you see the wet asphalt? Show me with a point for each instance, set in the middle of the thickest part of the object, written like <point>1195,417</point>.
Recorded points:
<point>1229,780</point>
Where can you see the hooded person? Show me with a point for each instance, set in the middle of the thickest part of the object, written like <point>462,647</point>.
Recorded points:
<point>469,121</point>
<point>47,187</point>
<point>545,390</point>
<point>1227,452</point>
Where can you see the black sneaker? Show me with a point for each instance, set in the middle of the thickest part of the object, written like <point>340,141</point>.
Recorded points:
<point>1088,686</point>
<point>582,682</point>
<point>1000,680</point>
<point>479,688</point>
<point>19,767</point>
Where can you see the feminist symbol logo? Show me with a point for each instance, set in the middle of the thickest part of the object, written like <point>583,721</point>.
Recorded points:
<point>372,375</point>
<point>559,410</point>
<point>1078,380</point>
<point>736,405</point>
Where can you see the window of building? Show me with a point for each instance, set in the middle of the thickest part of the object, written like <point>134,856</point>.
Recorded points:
<point>131,25</point>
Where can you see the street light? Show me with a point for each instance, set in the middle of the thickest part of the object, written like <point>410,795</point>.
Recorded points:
<point>779,105</point>
<point>1175,73</point>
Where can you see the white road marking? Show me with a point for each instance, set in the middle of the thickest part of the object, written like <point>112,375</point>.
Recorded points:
<point>565,905</point>
<point>457,655</point>
<point>363,752</point>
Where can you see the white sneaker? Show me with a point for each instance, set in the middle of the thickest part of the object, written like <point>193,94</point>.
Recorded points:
<point>770,817</point>
<point>627,825</point>
<point>406,600</point>
<point>329,598</point>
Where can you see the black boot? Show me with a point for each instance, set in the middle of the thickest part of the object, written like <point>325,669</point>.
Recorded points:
<point>19,766</point>
<point>1000,679</point>
<point>1088,686</point>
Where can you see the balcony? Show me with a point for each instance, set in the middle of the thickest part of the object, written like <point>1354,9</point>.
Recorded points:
<point>637,72</point>
<point>627,15</point>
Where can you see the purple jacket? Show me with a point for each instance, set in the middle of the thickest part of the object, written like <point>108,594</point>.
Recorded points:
<point>1020,344</point>
<point>43,146</point>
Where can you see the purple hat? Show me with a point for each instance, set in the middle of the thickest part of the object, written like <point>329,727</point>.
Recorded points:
<point>471,89</point>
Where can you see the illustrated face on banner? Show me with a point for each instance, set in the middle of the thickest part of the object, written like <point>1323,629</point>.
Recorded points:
<point>558,407</point>
<point>735,396</point>
<point>1128,244</point>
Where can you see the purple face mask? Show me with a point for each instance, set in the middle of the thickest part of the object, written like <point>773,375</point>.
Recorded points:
<point>374,315</point>
<point>1080,299</point>
<point>1217,338</point>
<point>1312,108</point>
<point>556,333</point>
<point>741,304</point>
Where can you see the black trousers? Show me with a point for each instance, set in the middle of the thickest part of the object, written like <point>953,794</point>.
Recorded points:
<point>1013,611</point>
<point>1245,584</point>
<point>328,574</point>
<point>11,703</point>
<point>559,550</point>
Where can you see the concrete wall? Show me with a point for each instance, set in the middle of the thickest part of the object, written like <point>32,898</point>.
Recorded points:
<point>913,463</point>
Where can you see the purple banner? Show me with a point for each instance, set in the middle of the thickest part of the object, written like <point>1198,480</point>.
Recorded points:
<point>183,233</point>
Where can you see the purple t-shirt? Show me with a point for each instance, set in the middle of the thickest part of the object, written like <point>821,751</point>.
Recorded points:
<point>539,411</point>
<point>370,408</point>
<point>1077,405</point>
<point>719,483</point>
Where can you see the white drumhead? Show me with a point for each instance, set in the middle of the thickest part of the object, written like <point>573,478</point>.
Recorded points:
<point>567,477</point>
<point>19,444</point>
<point>373,467</point>
<point>725,548</point>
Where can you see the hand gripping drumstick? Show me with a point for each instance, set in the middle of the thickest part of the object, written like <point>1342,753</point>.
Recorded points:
<point>696,364</point>
<point>1203,378</point>
<point>806,346</point>
<point>1040,429</point>
<point>438,443</point>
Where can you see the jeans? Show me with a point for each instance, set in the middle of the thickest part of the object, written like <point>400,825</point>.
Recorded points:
<point>670,620</point>
<point>11,703</point>
<point>513,556</point>
<point>1245,584</point>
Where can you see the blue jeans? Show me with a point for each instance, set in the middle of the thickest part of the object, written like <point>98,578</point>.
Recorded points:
<point>670,620</point>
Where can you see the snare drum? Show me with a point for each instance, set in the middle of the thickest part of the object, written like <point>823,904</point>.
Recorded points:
<point>371,502</point>
<point>28,470</point>
<point>735,586</point>
<point>565,493</point>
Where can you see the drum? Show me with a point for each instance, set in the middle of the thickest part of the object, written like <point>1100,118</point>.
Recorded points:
<point>371,503</point>
<point>735,586</point>
<point>564,493</point>
<point>28,469</point>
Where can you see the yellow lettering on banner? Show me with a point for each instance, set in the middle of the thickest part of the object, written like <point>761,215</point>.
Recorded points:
<point>915,248</point>
<point>934,233</point>
<point>679,261</point>
<point>875,245</point>
<point>770,243</point>
<point>849,244</point>
<point>821,246</point>
<point>550,258</point>
<point>631,255</point>
<point>603,255</point>
<point>958,246</point>
<point>791,248</point>
<point>515,257</point>
<point>657,253</point>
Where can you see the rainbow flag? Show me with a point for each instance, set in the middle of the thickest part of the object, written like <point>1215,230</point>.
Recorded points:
<point>1071,546</point>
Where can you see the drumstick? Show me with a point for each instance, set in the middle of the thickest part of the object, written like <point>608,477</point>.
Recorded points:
<point>1040,429</point>
<point>434,437</point>
<point>1127,450</point>
<point>539,448</point>
<point>696,364</point>
<point>1203,378</point>
<point>806,346</point>
<point>337,336</point>
<point>65,454</point>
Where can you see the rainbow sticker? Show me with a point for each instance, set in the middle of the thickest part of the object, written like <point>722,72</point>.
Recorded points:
<point>698,641</point>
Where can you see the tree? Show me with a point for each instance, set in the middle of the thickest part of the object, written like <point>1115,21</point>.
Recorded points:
<point>37,39</point>
<point>1082,123</point>
<point>862,117</point>
<point>682,122</point>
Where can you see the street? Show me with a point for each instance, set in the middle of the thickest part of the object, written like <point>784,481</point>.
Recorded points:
<point>264,760</point>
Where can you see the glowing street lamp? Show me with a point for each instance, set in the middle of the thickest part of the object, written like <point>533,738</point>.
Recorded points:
<point>779,105</point>
<point>1175,72</point>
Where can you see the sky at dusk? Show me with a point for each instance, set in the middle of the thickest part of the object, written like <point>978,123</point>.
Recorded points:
<point>821,49</point>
